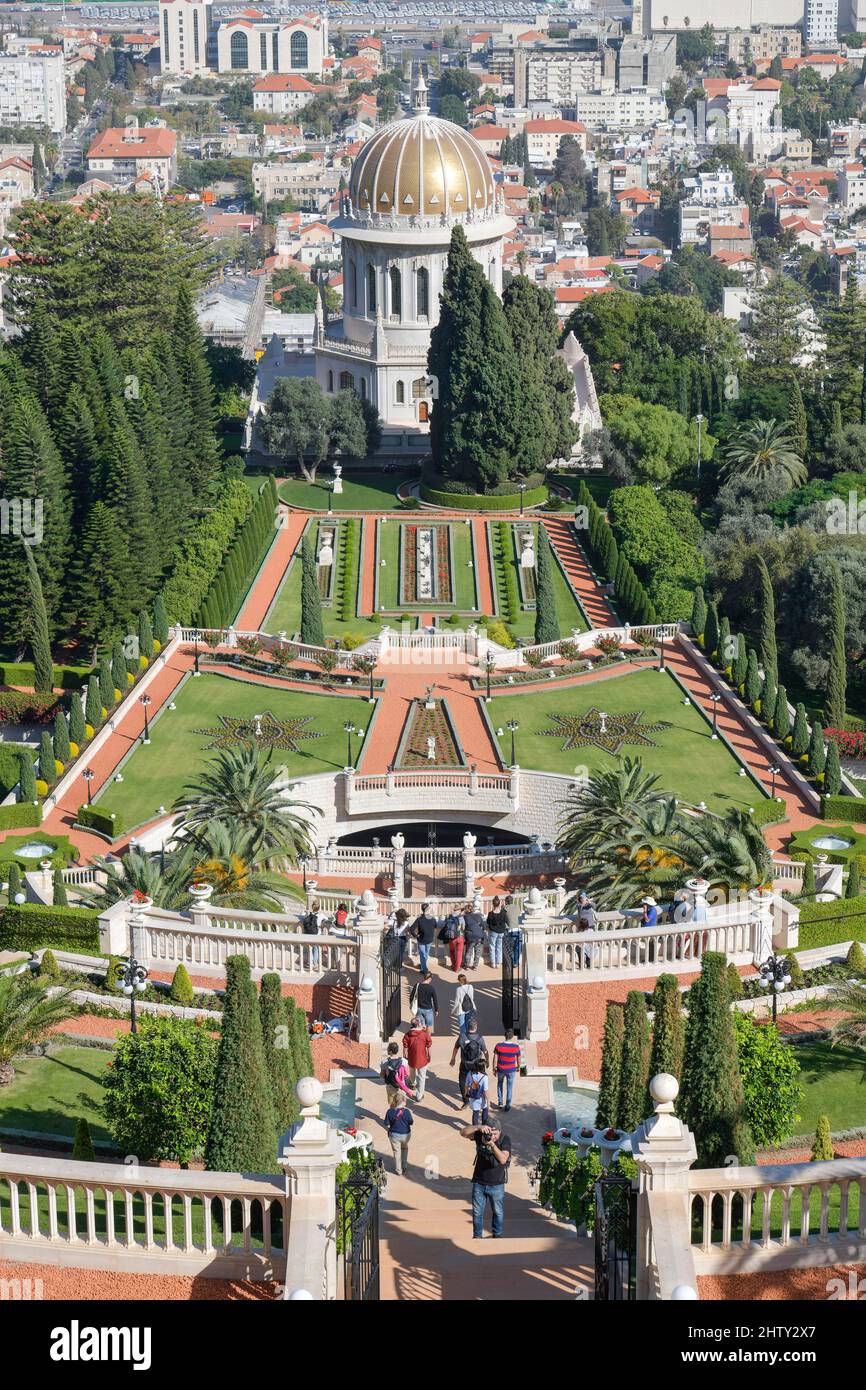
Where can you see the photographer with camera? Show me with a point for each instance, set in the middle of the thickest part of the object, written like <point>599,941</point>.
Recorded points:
<point>489,1176</point>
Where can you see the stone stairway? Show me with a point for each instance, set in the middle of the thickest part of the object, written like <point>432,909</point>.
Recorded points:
<point>573,561</point>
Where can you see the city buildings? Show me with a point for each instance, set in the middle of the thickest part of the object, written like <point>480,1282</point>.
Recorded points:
<point>124,156</point>
<point>193,41</point>
<point>282,92</point>
<point>33,89</point>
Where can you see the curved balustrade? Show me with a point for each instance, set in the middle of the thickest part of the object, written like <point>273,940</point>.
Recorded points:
<point>577,954</point>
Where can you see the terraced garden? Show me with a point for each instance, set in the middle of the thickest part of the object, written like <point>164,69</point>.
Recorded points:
<point>340,589</point>
<point>514,584</point>
<point>425,565</point>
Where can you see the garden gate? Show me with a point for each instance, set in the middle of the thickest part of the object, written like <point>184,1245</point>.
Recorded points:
<point>358,1228</point>
<point>440,872</point>
<point>392,985</point>
<point>513,982</point>
<point>615,1238</point>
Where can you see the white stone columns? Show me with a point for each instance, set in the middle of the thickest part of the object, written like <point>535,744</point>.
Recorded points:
<point>309,1154</point>
<point>761,900</point>
<point>535,924</point>
<point>664,1150</point>
<point>368,928</point>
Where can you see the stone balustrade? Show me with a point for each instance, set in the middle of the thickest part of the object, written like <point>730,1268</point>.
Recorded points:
<point>575,955</point>
<point>422,790</point>
<point>580,641</point>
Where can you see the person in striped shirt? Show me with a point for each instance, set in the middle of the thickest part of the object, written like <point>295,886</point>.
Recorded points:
<point>506,1064</point>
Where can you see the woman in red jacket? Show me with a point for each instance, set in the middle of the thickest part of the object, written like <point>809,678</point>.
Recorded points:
<point>417,1044</point>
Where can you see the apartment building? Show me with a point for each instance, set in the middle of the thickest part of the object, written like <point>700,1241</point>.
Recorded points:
<point>33,89</point>
<point>762,44</point>
<point>646,62</point>
<point>270,45</point>
<point>852,186</point>
<point>123,156</point>
<point>187,37</point>
<point>543,139</point>
<point>559,75</point>
<point>639,107</point>
<point>281,93</point>
<point>821,24</point>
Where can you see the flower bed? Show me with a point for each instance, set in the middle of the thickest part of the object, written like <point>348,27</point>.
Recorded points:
<point>421,724</point>
<point>441,587</point>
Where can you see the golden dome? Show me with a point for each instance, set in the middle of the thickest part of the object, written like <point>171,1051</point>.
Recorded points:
<point>421,165</point>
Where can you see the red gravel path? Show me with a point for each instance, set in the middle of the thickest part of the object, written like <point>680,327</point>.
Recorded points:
<point>87,1285</point>
<point>780,1284</point>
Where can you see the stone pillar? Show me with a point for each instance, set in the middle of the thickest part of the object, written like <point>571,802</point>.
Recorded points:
<point>828,880</point>
<point>473,779</point>
<point>786,924</point>
<point>398,844</point>
<point>664,1151</point>
<point>514,787</point>
<point>231,637</point>
<point>309,1154</point>
<point>561,895</point>
<point>113,930</point>
<point>535,924</point>
<point>469,864</point>
<point>312,890</point>
<point>384,641</point>
<point>349,787</point>
<point>761,901</point>
<point>389,782</point>
<point>697,891</point>
<point>368,929</point>
<point>199,911</point>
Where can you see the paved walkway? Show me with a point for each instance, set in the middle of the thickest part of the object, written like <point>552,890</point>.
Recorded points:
<point>426,1245</point>
<point>573,560</point>
<point>266,587</point>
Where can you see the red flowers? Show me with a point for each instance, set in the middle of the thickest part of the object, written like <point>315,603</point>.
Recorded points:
<point>547,1137</point>
<point>138,896</point>
<point>851,743</point>
<point>611,1133</point>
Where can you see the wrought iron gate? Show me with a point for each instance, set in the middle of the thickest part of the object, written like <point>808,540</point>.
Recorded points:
<point>392,985</point>
<point>358,1229</point>
<point>441,869</point>
<point>514,982</point>
<point>615,1238</point>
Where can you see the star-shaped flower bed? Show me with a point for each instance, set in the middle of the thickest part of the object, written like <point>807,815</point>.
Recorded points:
<point>588,730</point>
<point>265,731</point>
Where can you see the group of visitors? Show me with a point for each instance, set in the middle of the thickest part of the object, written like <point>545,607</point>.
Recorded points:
<point>465,933</point>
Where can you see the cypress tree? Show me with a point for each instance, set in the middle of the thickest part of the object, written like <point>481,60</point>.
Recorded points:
<point>40,642</point>
<point>711,631</point>
<point>798,423</point>
<point>808,886</point>
<point>711,1098</point>
<point>856,959</point>
<point>243,1136</point>
<point>106,682</point>
<point>699,613</point>
<point>767,620</point>
<point>837,667</point>
<point>60,898</point>
<point>127,494</point>
<point>817,755</point>
<point>278,1051</point>
<point>82,1145</point>
<point>769,696</point>
<point>852,885</point>
<point>145,635</point>
<point>13,878</point>
<point>607,1109</point>
<point>312,629</point>
<point>725,653</point>
<point>741,663</point>
<point>302,1055</point>
<point>634,1073</point>
<point>752,682</point>
<point>836,418</point>
<point>863,394</point>
<point>832,784</point>
<point>27,780</point>
<point>822,1148</point>
<point>119,669</point>
<point>93,702</point>
<point>188,346</point>
<point>77,730</point>
<point>668,1030</point>
<point>800,732</point>
<point>181,991</point>
<point>47,770</point>
<point>781,717</point>
<point>546,625</point>
<point>60,741</point>
<point>32,469</point>
<point>160,621</point>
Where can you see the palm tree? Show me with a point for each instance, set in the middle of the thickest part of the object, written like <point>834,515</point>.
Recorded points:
<point>730,850</point>
<point>762,446</point>
<point>237,869</point>
<point>600,808</point>
<point>27,1011</point>
<point>852,1029</point>
<point>163,877</point>
<point>240,790</point>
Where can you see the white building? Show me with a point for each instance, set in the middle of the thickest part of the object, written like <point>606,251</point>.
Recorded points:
<point>186,35</point>
<point>852,186</point>
<point>281,93</point>
<point>543,139</point>
<point>411,184</point>
<point>558,76</point>
<point>752,107</point>
<point>270,45</point>
<point>821,23</point>
<point>661,16</point>
<point>640,107</point>
<point>33,89</point>
<point>123,155</point>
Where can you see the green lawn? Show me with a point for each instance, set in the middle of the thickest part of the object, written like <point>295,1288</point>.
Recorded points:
<point>155,776</point>
<point>285,614</point>
<point>569,615</point>
<point>463,577</point>
<point>48,1094</point>
<point>690,764</point>
<point>833,1081</point>
<point>362,492</point>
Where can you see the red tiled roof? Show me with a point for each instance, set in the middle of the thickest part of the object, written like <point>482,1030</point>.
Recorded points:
<point>554,126</point>
<point>283,82</point>
<point>152,142</point>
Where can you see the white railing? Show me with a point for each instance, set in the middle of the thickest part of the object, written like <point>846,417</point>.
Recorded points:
<point>111,1216</point>
<point>788,870</point>
<point>581,642</point>
<point>422,790</point>
<point>168,940</point>
<point>793,1214</point>
<point>87,874</point>
<point>575,954</point>
<point>440,907</point>
<point>519,860</point>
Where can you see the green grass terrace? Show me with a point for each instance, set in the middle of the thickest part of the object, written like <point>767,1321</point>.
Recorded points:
<point>362,491</point>
<point>514,589</point>
<point>340,588</point>
<point>455,565</point>
<point>182,739</point>
<point>689,762</point>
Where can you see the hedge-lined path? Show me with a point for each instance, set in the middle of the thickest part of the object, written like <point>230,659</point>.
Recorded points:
<point>367,601</point>
<point>405,684</point>
<point>426,1245</point>
<point>486,603</point>
<point>266,586</point>
<point>595,605</point>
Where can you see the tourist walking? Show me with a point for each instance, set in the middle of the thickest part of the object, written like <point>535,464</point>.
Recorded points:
<point>424,1002</point>
<point>398,1123</point>
<point>471,1049</point>
<point>401,927</point>
<point>506,1064</point>
<point>463,1008</point>
<point>417,1046</point>
<point>650,913</point>
<point>312,926</point>
<point>341,917</point>
<point>511,908</point>
<point>497,926</point>
<point>587,917</point>
<point>475,928</point>
<point>489,1175</point>
<point>454,936</point>
<point>395,1075</point>
<point>478,1093</point>
<point>424,930</point>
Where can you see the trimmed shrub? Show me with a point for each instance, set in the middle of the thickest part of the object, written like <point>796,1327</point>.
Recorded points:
<point>852,884</point>
<point>607,1108</point>
<point>31,926</point>
<point>856,959</point>
<point>82,1145</point>
<point>21,815</point>
<point>13,880</point>
<point>47,769</point>
<point>59,889</point>
<point>48,967</point>
<point>844,808</point>
<point>474,502</point>
<point>99,818</point>
<point>634,1072</point>
<point>822,1148</point>
<point>735,983</point>
<point>181,991</point>
<point>62,751</point>
<point>795,970</point>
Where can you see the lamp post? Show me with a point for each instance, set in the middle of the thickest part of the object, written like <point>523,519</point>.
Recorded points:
<point>145,701</point>
<point>699,421</point>
<point>303,859</point>
<point>512,727</point>
<point>775,974</point>
<point>88,775</point>
<point>132,975</point>
<point>774,772</point>
<point>488,667</point>
<point>330,486</point>
<point>196,638</point>
<point>662,651</point>
<point>522,486</point>
<point>715,697</point>
<point>349,729</point>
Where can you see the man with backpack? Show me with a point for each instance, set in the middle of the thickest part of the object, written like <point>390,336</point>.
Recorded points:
<point>311,926</point>
<point>475,927</point>
<point>424,929</point>
<point>453,935</point>
<point>395,1075</point>
<point>471,1049</point>
<point>489,1175</point>
<point>463,1008</point>
<point>417,1045</point>
<point>478,1092</point>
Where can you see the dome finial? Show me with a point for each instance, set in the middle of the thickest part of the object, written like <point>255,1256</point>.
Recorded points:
<point>420,106</point>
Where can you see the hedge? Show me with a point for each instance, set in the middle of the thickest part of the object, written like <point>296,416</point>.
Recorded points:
<point>100,819</point>
<point>843,808</point>
<point>827,924</point>
<point>10,767</point>
<point>19,816</point>
<point>475,502</point>
<point>63,851</point>
<point>22,673</point>
<point>240,563</point>
<point>32,926</point>
<point>769,812</point>
<point>201,553</point>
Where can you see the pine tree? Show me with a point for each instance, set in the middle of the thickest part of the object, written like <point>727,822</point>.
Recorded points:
<point>62,750</point>
<point>852,885</point>
<point>817,754</point>
<point>607,1108</point>
<point>93,702</point>
<point>741,662</point>
<point>82,1145</point>
<point>836,418</point>
<point>60,898</point>
<point>668,1030</point>
<point>822,1148</point>
<point>832,783</point>
<point>98,600</point>
<point>767,620</point>
<point>699,613</point>
<point>711,1100</point>
<point>798,423</point>
<point>43,666</point>
<point>711,631</point>
<point>32,471</point>
<point>77,723</point>
<point>752,682</point>
<point>769,696</point>
<point>47,770</point>
<point>837,667</point>
<point>800,732</point>
<point>27,781</point>
<point>546,624</point>
<point>243,1136</point>
<point>781,716</point>
<point>634,1073</point>
<point>312,629</point>
<point>278,1051</point>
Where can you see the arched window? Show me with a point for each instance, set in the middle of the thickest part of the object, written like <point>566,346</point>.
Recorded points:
<point>400,393</point>
<point>396,293</point>
<point>353,284</point>
<point>239,53</point>
<point>299,49</point>
<point>347,381</point>
<point>263,51</point>
<point>423,412</point>
<point>419,388</point>
<point>330,381</point>
<point>371,289</point>
<point>422,292</point>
